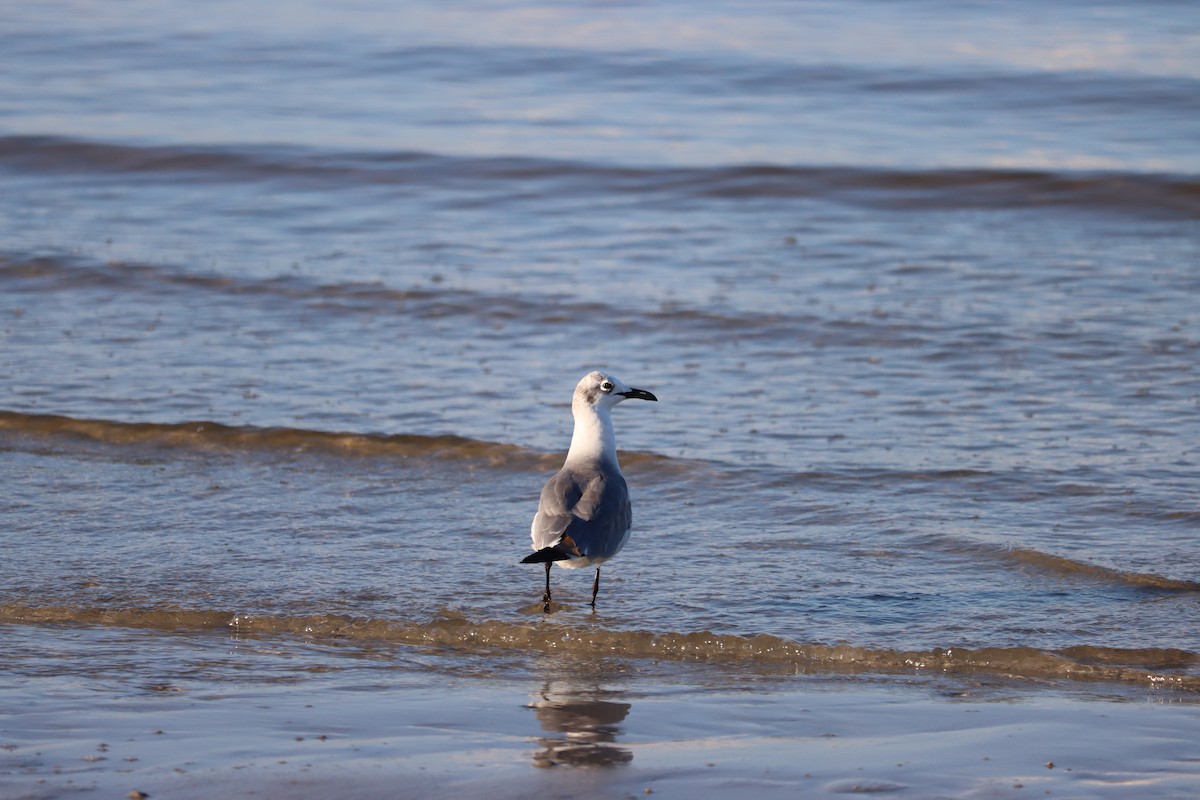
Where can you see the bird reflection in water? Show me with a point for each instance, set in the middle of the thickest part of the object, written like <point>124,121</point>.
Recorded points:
<point>590,724</point>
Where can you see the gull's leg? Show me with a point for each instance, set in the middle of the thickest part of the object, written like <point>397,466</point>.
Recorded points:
<point>595,588</point>
<point>546,597</point>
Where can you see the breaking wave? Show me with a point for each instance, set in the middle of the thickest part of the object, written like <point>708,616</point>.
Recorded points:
<point>1172,668</point>
<point>205,435</point>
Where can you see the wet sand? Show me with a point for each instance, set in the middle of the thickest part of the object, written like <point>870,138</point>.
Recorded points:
<point>560,734</point>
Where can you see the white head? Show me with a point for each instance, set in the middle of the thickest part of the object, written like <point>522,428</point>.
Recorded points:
<point>596,394</point>
<point>605,391</point>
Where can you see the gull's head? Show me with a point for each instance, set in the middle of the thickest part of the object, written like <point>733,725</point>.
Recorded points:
<point>605,391</point>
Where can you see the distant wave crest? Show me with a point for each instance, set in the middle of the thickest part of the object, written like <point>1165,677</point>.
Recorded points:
<point>53,272</point>
<point>1065,567</point>
<point>1122,192</point>
<point>1071,567</point>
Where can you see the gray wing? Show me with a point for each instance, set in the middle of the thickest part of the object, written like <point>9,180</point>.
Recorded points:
<point>591,510</point>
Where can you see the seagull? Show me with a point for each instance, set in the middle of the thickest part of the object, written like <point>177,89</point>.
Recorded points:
<point>583,517</point>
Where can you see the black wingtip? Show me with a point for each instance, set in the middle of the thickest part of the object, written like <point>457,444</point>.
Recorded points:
<point>544,555</point>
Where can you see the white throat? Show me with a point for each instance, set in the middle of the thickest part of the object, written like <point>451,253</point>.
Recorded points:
<point>593,439</point>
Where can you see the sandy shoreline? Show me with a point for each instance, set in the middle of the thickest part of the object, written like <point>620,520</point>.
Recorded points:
<point>423,735</point>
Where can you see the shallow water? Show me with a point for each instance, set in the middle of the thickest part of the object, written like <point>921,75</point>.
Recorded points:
<point>291,308</point>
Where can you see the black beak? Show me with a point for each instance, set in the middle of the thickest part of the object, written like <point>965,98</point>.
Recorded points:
<point>638,394</point>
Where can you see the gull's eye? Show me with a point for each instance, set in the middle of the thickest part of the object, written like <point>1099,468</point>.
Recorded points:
<point>606,386</point>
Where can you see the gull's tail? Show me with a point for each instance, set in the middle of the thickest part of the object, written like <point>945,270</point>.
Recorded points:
<point>546,554</point>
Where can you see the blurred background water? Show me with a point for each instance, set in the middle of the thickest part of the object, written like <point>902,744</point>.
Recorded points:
<point>292,303</point>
